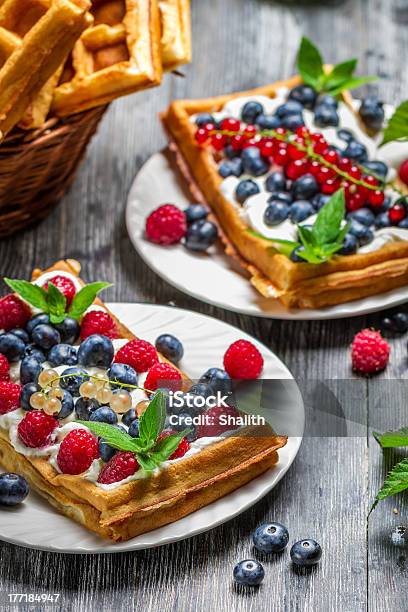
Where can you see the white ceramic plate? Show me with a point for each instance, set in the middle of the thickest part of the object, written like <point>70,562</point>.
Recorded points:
<point>214,277</point>
<point>36,525</point>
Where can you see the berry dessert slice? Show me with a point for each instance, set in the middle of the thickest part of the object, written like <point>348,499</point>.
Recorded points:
<point>85,412</point>
<point>268,161</point>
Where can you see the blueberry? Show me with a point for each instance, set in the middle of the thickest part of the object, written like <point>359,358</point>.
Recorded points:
<point>401,322</point>
<point>201,390</point>
<point>21,333</point>
<point>11,346</point>
<point>305,95</point>
<point>251,111</point>
<point>104,414</point>
<point>204,118</point>
<point>275,213</point>
<point>364,216</point>
<point>253,163</point>
<point>67,406</point>
<point>201,235</point>
<point>84,408</point>
<point>293,122</point>
<point>249,572</point>
<point>170,347</point>
<point>231,167</point>
<point>387,324</point>
<point>195,212</point>
<point>30,369</point>
<point>106,452</point>
<point>372,113</point>
<point>326,116</point>
<point>281,196</point>
<point>363,234</point>
<point>295,257</point>
<point>291,107</point>
<point>13,489</point>
<point>218,379</point>
<point>379,168</point>
<point>306,553</point>
<point>304,187</point>
<point>268,122</point>
<point>276,181</point>
<point>319,200</point>
<point>350,245</point>
<point>345,135</point>
<point>382,220</point>
<point>69,330</point>
<point>45,336</point>
<point>300,210</point>
<point>129,417</point>
<point>96,350</point>
<point>327,100</point>
<point>27,391</point>
<point>63,354</point>
<point>356,151</point>
<point>122,373</point>
<point>245,189</point>
<point>72,378</point>
<point>270,538</point>
<point>32,350</point>
<point>231,153</point>
<point>134,429</point>
<point>40,319</point>
<point>399,536</point>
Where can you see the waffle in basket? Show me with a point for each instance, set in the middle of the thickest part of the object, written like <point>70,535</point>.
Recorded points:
<point>35,38</point>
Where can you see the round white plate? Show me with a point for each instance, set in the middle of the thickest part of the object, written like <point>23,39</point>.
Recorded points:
<point>214,277</point>
<point>36,525</point>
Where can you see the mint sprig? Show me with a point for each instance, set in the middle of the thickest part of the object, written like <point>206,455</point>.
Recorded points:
<point>324,239</point>
<point>149,450</point>
<point>397,128</point>
<point>340,78</point>
<point>397,479</point>
<point>392,439</point>
<point>53,302</point>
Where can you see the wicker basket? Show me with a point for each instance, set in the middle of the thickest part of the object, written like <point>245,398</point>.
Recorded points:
<point>37,167</point>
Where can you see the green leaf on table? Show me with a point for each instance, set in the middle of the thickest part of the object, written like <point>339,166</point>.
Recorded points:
<point>152,421</point>
<point>396,481</point>
<point>33,294</point>
<point>392,439</point>
<point>310,63</point>
<point>397,128</point>
<point>85,298</point>
<point>57,303</point>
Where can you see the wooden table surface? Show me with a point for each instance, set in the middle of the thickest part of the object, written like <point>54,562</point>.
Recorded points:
<point>328,491</point>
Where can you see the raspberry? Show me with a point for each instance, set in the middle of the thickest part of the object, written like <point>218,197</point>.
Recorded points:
<point>35,429</point>
<point>182,448</point>
<point>139,354</point>
<point>4,368</point>
<point>214,425</point>
<point>369,352</point>
<point>13,312</point>
<point>163,375</point>
<point>9,396</point>
<point>166,225</point>
<point>121,466</point>
<point>98,322</point>
<point>65,285</point>
<point>77,452</point>
<point>243,360</point>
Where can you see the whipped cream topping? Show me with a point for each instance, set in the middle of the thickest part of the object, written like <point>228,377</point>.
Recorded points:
<point>253,210</point>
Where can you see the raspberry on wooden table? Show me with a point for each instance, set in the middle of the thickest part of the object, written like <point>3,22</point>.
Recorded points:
<point>369,352</point>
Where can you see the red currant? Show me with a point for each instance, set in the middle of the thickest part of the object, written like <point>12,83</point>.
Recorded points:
<point>218,141</point>
<point>210,127</point>
<point>294,152</point>
<point>281,131</point>
<point>355,202</point>
<point>331,186</point>
<point>331,156</point>
<point>370,180</point>
<point>325,174</point>
<point>237,142</point>
<point>314,167</point>
<point>403,172</point>
<point>376,198</point>
<point>344,164</point>
<point>397,213</point>
<point>303,132</point>
<point>250,143</point>
<point>230,125</point>
<point>250,131</point>
<point>281,155</point>
<point>267,148</point>
<point>354,172</point>
<point>296,169</point>
<point>201,136</point>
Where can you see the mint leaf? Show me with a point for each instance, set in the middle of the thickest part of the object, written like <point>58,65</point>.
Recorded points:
<point>85,298</point>
<point>310,63</point>
<point>33,294</point>
<point>396,481</point>
<point>56,304</point>
<point>113,436</point>
<point>166,446</point>
<point>339,74</point>
<point>397,128</point>
<point>286,246</point>
<point>147,462</point>
<point>392,439</point>
<point>352,83</point>
<point>327,227</point>
<point>152,421</point>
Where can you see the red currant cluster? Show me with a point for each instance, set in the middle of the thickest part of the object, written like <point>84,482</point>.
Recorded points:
<point>299,153</point>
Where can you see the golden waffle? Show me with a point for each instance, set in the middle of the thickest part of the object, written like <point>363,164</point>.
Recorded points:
<point>119,55</point>
<point>35,38</point>
<point>176,33</point>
